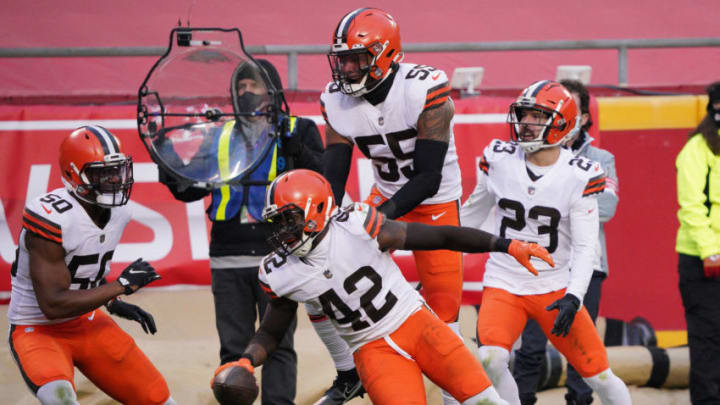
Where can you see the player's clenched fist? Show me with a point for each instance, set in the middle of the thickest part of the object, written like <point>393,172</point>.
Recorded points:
<point>523,251</point>
<point>137,275</point>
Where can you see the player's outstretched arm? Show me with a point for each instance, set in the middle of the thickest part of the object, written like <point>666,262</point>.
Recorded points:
<point>51,282</point>
<point>415,236</point>
<point>279,316</point>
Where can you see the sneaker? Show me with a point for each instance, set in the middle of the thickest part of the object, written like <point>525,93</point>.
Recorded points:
<point>347,385</point>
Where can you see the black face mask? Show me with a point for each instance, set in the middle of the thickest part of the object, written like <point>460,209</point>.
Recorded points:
<point>249,102</point>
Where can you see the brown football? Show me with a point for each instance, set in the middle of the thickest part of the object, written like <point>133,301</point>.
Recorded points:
<point>235,386</point>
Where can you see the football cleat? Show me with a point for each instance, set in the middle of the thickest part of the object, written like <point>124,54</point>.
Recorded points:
<point>342,390</point>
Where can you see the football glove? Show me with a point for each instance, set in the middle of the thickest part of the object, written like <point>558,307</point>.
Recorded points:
<point>243,362</point>
<point>711,266</point>
<point>567,307</point>
<point>133,313</point>
<point>137,275</point>
<point>523,251</point>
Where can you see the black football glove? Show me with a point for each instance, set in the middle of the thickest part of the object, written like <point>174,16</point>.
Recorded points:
<point>568,307</point>
<point>137,275</point>
<point>133,313</point>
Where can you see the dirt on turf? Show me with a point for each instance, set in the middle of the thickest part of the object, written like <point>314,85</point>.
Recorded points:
<point>185,350</point>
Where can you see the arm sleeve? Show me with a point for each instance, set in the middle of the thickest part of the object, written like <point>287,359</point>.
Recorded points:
<point>457,238</point>
<point>428,162</point>
<point>584,229</point>
<point>609,198</point>
<point>336,167</point>
<point>478,205</point>
<point>692,180</point>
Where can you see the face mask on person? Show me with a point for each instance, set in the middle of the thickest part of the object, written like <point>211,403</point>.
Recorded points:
<point>250,102</point>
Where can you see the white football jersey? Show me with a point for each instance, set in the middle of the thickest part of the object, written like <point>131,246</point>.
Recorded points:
<point>347,278</point>
<point>386,133</point>
<point>57,216</point>
<point>558,211</point>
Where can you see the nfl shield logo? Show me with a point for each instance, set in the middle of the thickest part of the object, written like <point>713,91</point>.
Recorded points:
<point>327,274</point>
<point>381,121</point>
<point>102,238</point>
<point>531,190</point>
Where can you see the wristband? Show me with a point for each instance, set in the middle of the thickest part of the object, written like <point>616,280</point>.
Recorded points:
<point>501,245</point>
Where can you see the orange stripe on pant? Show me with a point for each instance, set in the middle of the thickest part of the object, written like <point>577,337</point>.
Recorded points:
<point>390,378</point>
<point>99,348</point>
<point>503,315</point>
<point>440,271</point>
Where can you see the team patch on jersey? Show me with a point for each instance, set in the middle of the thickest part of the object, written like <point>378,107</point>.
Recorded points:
<point>373,222</point>
<point>42,227</point>
<point>436,96</point>
<point>595,185</point>
<point>484,165</point>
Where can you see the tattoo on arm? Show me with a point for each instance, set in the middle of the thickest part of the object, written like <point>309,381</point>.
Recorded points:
<point>434,123</point>
<point>392,235</point>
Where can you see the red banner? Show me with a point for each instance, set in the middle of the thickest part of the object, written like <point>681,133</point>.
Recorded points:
<point>170,234</point>
<point>174,236</point>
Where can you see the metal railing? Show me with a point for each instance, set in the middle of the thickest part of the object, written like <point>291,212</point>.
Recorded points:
<point>292,51</point>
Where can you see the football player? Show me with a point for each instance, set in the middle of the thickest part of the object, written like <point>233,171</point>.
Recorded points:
<point>337,261</point>
<point>544,194</point>
<point>400,117</point>
<point>67,239</point>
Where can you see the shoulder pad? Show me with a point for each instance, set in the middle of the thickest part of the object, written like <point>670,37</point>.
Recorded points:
<point>330,88</point>
<point>590,172</point>
<point>425,85</point>
<point>45,215</point>
<point>270,264</point>
<point>359,215</point>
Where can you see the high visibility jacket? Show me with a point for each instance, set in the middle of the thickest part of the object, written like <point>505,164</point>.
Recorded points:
<point>698,189</point>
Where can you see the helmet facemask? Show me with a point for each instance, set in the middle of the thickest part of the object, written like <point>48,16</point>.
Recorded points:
<point>290,234</point>
<point>522,132</point>
<point>369,74</point>
<point>107,184</point>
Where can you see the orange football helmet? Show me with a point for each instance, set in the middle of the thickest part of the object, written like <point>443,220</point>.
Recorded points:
<point>298,205</point>
<point>557,105</point>
<point>370,32</point>
<point>94,167</point>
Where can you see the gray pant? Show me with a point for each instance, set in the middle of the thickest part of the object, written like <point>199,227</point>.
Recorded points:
<point>529,357</point>
<point>238,301</point>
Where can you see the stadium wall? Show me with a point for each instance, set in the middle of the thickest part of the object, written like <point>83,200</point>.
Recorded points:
<point>644,133</point>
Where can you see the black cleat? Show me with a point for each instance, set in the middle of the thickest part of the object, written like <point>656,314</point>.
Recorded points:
<point>347,385</point>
